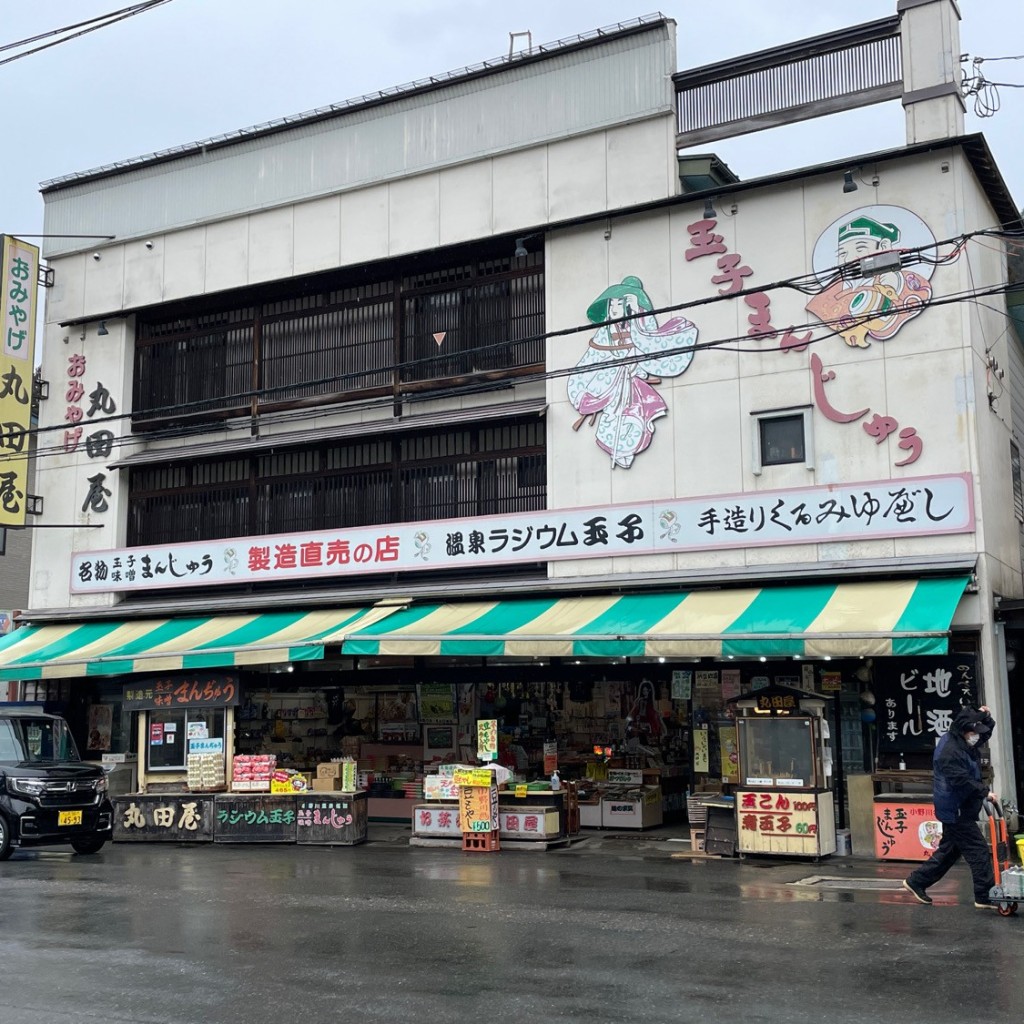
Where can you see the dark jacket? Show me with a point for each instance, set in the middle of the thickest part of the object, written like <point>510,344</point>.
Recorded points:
<point>957,787</point>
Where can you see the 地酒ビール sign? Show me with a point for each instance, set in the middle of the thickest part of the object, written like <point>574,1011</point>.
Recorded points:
<point>916,699</point>
<point>19,273</point>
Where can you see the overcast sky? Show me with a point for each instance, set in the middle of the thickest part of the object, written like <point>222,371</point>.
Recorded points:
<point>192,69</point>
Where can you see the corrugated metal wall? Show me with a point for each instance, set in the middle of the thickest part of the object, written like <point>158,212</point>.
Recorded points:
<point>614,82</point>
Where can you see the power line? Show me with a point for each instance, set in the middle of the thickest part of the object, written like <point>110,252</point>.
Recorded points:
<point>736,344</point>
<point>731,344</point>
<point>92,25</point>
<point>800,282</point>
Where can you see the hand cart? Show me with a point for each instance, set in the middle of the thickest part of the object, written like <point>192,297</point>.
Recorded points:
<point>1009,876</point>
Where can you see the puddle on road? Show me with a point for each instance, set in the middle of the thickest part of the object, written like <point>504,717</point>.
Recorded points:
<point>840,882</point>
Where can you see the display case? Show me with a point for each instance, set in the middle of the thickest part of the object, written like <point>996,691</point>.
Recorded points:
<point>623,798</point>
<point>784,804</point>
<point>784,753</point>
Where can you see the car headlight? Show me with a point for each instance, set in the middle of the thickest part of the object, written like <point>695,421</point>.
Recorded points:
<point>102,785</point>
<point>26,787</point>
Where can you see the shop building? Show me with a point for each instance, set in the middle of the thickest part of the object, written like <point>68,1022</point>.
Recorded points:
<point>15,558</point>
<point>407,412</point>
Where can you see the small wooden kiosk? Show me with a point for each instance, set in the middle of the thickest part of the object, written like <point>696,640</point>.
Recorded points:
<point>784,802</point>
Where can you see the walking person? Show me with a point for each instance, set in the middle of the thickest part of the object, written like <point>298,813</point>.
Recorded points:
<point>959,794</point>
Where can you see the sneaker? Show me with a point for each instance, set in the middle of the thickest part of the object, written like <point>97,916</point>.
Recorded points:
<point>985,905</point>
<point>917,892</point>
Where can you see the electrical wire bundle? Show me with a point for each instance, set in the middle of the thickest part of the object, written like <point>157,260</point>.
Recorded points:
<point>933,254</point>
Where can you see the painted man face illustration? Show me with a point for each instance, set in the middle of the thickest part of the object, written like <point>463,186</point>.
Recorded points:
<point>864,236</point>
<point>862,305</point>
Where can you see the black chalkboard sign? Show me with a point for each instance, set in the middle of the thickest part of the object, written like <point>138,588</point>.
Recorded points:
<point>330,819</point>
<point>170,818</point>
<point>917,698</point>
<point>255,818</point>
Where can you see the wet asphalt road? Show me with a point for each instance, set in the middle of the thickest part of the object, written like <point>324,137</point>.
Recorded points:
<point>385,932</point>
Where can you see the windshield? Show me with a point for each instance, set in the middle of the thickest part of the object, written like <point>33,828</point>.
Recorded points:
<point>36,739</point>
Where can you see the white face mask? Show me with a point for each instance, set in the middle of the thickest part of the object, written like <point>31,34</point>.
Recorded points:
<point>972,739</point>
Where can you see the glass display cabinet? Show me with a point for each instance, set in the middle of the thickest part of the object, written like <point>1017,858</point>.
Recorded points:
<point>781,752</point>
<point>784,804</point>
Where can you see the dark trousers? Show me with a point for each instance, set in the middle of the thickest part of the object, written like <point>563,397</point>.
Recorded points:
<point>962,838</point>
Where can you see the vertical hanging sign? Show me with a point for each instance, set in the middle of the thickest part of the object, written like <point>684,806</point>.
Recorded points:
<point>19,273</point>
<point>701,751</point>
<point>487,739</point>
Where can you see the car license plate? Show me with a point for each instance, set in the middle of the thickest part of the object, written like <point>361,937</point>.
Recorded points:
<point>69,818</point>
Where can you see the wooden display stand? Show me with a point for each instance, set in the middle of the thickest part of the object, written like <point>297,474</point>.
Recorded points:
<point>311,819</point>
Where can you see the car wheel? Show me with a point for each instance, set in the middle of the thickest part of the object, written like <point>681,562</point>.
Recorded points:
<point>5,839</point>
<point>85,846</point>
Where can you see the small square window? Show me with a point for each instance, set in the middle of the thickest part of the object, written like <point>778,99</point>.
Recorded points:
<point>782,440</point>
<point>782,437</point>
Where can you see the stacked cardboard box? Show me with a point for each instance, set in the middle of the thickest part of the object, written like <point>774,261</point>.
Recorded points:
<point>328,777</point>
<point>336,776</point>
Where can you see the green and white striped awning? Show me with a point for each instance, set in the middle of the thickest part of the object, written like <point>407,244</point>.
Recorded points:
<point>908,617</point>
<point>103,647</point>
<point>903,617</point>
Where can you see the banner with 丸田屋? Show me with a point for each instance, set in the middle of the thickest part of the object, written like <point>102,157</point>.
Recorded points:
<point>19,271</point>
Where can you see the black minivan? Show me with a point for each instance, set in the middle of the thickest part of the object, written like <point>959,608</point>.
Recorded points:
<point>47,795</point>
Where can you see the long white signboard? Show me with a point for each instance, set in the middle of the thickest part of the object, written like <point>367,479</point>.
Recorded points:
<point>807,515</point>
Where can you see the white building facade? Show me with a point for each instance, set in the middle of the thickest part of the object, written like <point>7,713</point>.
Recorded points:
<point>476,330</point>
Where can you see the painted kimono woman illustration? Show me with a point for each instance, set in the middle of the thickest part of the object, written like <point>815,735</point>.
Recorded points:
<point>609,387</point>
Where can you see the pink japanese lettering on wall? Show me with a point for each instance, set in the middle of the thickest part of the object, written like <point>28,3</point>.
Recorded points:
<point>879,427</point>
<point>73,396</point>
<point>98,443</point>
<point>705,241</point>
<point>873,266</point>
